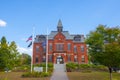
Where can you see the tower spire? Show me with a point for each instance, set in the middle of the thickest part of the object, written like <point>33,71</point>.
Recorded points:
<point>59,26</point>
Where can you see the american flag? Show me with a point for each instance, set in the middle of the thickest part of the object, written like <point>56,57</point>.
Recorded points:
<point>30,38</point>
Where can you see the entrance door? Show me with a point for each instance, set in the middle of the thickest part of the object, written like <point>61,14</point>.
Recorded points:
<point>59,60</point>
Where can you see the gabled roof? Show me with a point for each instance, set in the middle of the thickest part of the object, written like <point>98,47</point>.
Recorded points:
<point>65,33</point>
<point>54,33</point>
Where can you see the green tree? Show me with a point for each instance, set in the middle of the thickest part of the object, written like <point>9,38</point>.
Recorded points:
<point>104,46</point>
<point>8,54</point>
<point>4,53</point>
<point>25,59</point>
<point>14,54</point>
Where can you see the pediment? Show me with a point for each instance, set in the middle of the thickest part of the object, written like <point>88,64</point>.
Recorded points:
<point>59,36</point>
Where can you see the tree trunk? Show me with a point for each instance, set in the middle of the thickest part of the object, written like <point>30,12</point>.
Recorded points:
<point>110,76</point>
<point>110,71</point>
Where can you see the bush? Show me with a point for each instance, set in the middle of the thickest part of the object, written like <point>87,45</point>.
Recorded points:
<point>36,74</point>
<point>70,67</point>
<point>23,68</point>
<point>44,74</point>
<point>101,68</point>
<point>85,66</point>
<point>50,65</point>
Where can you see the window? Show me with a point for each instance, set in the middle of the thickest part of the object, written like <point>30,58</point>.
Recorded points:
<point>75,49</point>
<point>37,49</point>
<point>83,58</point>
<point>77,38</point>
<point>82,48</point>
<point>44,59</point>
<point>41,38</point>
<point>44,49</point>
<point>36,59</point>
<point>69,46</point>
<point>50,46</point>
<point>69,59</point>
<point>60,47</point>
<point>50,58</point>
<point>75,58</point>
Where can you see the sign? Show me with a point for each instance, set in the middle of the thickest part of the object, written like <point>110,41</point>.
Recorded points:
<point>38,69</point>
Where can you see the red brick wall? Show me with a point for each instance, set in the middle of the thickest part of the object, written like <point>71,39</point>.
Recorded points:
<point>60,38</point>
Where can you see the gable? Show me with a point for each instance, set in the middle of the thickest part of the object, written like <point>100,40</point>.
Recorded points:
<point>59,37</point>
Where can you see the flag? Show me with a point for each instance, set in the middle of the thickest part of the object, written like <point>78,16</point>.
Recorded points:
<point>30,38</point>
<point>30,44</point>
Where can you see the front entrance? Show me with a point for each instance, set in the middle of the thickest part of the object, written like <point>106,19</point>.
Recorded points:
<point>59,60</point>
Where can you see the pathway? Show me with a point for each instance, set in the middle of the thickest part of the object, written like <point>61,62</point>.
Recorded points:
<point>59,72</point>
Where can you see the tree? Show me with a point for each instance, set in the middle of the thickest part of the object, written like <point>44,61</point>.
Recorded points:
<point>104,46</point>
<point>14,54</point>
<point>25,59</point>
<point>8,54</point>
<point>4,53</point>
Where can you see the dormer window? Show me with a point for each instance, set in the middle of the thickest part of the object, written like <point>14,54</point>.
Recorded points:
<point>77,38</point>
<point>42,38</point>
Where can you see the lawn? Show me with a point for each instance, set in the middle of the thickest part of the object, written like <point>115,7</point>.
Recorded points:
<point>71,75</point>
<point>92,76</point>
<point>17,76</point>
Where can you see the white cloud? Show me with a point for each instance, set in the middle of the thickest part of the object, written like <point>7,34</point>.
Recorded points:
<point>2,23</point>
<point>24,50</point>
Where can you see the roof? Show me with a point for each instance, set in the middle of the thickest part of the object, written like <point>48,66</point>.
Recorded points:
<point>59,23</point>
<point>74,37</point>
<point>54,33</point>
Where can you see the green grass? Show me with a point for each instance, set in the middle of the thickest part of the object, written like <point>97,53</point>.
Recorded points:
<point>92,76</point>
<point>71,75</point>
<point>17,76</point>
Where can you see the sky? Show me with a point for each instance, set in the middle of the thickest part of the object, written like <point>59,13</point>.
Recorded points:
<point>18,17</point>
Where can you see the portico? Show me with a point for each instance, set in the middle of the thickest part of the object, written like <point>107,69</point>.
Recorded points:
<point>59,58</point>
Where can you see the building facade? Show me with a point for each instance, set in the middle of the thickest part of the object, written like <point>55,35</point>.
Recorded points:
<point>62,47</point>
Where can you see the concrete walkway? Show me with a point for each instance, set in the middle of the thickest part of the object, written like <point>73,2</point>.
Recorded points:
<point>59,72</point>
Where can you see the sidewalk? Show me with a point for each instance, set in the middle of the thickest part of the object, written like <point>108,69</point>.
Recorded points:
<point>59,72</point>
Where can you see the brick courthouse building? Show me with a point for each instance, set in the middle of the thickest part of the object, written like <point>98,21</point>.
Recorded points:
<point>62,47</point>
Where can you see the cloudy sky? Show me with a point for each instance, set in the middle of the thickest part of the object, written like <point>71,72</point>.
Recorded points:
<point>18,17</point>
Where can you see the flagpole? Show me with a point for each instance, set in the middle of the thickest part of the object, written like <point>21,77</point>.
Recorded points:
<point>32,49</point>
<point>47,53</point>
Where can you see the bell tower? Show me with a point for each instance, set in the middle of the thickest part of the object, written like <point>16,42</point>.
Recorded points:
<point>59,26</point>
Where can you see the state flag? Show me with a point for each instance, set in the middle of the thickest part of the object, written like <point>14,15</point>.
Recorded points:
<point>30,44</point>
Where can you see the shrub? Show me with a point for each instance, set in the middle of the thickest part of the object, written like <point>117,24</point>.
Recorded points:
<point>83,67</point>
<point>50,65</point>
<point>44,74</point>
<point>36,74</point>
<point>71,67</point>
<point>23,68</point>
